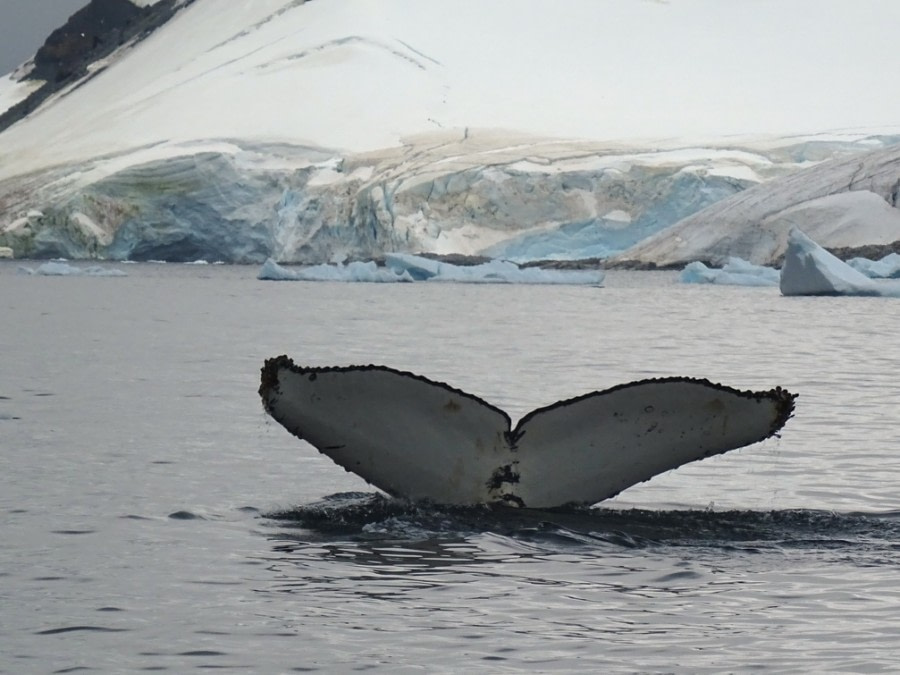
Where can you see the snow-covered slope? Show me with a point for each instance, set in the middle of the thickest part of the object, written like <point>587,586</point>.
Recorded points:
<point>306,130</point>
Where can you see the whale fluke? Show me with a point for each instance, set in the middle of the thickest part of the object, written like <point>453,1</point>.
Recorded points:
<point>425,440</point>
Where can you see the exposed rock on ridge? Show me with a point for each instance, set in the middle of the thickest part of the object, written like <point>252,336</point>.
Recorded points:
<point>90,34</point>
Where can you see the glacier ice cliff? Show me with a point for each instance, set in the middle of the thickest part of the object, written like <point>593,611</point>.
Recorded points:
<point>476,194</point>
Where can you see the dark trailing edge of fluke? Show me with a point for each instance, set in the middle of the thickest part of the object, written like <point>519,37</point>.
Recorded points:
<point>425,440</point>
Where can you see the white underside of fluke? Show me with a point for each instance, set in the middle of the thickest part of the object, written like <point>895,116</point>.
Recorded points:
<point>425,440</point>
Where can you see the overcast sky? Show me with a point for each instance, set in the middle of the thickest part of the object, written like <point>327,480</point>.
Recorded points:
<point>25,24</point>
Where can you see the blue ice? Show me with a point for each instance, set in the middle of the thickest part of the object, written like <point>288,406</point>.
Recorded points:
<point>887,267</point>
<point>57,268</point>
<point>354,271</point>
<point>811,270</point>
<point>407,267</point>
<point>493,271</point>
<point>735,272</point>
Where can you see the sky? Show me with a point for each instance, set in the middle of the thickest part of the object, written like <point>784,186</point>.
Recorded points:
<point>25,24</point>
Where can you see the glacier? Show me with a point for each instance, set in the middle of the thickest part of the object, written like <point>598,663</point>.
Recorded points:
<point>219,134</point>
<point>245,203</point>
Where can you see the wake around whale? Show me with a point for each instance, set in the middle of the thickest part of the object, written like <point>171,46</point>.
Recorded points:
<point>424,440</point>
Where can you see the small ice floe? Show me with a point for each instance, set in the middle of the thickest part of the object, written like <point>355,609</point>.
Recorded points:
<point>735,272</point>
<point>56,268</point>
<point>406,267</point>
<point>811,270</point>
<point>887,267</point>
<point>424,440</point>
<point>354,271</point>
<point>491,272</point>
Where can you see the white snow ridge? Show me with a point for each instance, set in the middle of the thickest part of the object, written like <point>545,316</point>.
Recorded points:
<point>312,131</point>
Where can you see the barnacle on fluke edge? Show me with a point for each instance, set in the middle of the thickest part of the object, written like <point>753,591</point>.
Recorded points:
<point>425,440</point>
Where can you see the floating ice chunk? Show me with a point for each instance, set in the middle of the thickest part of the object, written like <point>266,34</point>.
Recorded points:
<point>494,271</point>
<point>886,268</point>
<point>698,273</point>
<point>811,270</point>
<point>57,268</point>
<point>354,271</point>
<point>407,267</point>
<point>417,267</point>
<point>735,272</point>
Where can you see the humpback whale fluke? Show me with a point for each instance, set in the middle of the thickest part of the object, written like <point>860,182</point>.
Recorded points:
<point>425,440</point>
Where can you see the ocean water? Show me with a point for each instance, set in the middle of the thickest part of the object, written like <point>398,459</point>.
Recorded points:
<point>154,519</point>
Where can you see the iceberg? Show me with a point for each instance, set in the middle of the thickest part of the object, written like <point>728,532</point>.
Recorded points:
<point>735,272</point>
<point>493,271</point>
<point>811,270</point>
<point>56,268</point>
<point>354,271</point>
<point>424,440</point>
<point>400,267</point>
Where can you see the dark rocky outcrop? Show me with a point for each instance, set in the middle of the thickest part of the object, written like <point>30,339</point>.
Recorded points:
<point>90,34</point>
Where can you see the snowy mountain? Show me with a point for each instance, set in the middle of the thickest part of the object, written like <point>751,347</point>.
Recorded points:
<point>308,131</point>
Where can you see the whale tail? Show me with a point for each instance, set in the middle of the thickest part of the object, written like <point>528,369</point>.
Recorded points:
<point>424,440</point>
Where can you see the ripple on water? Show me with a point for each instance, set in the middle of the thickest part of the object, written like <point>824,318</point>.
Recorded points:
<point>368,583</point>
<point>185,515</point>
<point>687,581</point>
<point>73,629</point>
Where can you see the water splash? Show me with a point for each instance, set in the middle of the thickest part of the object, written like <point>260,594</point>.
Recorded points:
<point>361,516</point>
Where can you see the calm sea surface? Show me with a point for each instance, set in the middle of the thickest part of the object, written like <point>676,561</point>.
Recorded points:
<point>153,518</point>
